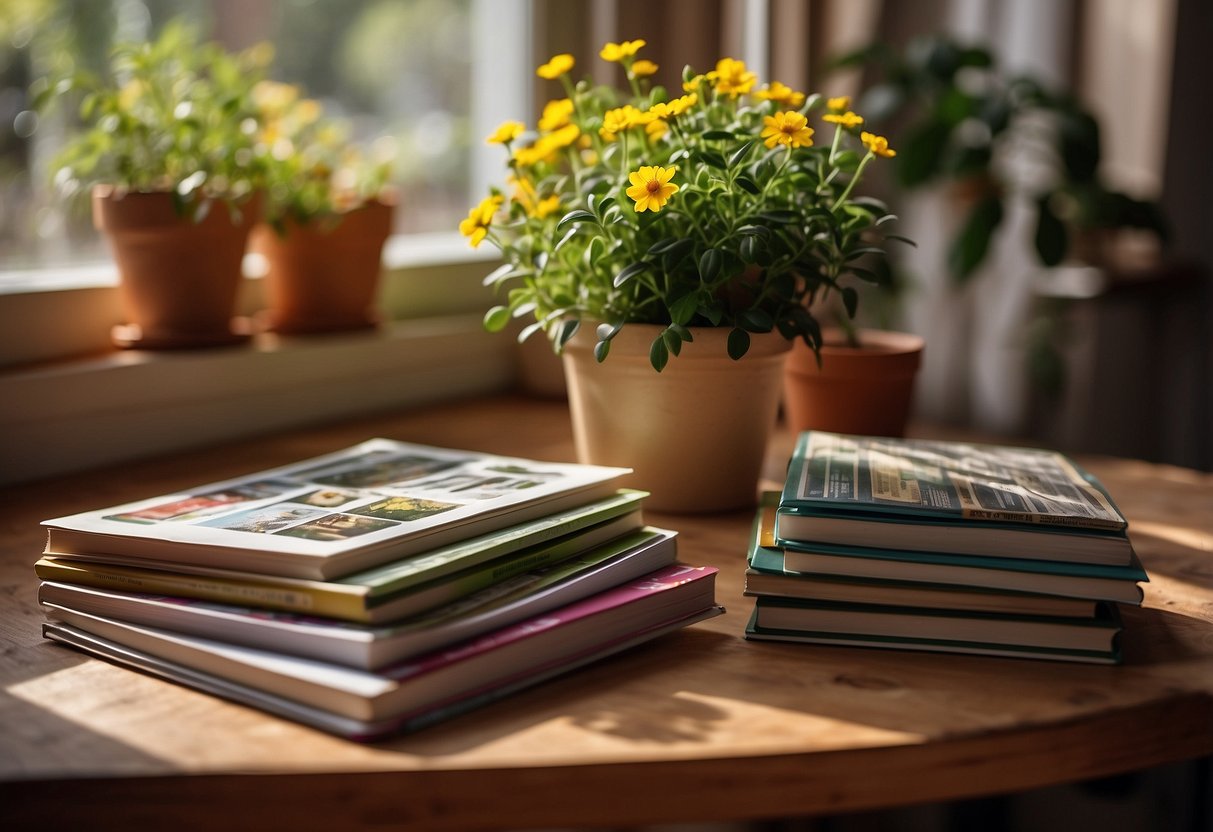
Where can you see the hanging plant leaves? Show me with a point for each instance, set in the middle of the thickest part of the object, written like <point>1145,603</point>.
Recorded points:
<point>1051,237</point>
<point>738,343</point>
<point>659,356</point>
<point>970,246</point>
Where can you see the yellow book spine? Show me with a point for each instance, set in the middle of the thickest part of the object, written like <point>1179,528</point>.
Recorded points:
<point>310,600</point>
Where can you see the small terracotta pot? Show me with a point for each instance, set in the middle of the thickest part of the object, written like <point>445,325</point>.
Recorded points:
<point>695,433</point>
<point>178,278</point>
<point>323,276</point>
<point>865,390</point>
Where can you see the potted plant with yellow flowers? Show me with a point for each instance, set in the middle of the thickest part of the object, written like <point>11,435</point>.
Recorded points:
<point>671,249</point>
<point>329,210</point>
<point>167,156</point>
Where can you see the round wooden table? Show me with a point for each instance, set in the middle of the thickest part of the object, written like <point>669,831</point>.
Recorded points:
<point>701,725</point>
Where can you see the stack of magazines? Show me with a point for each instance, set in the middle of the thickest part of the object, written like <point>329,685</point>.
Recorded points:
<point>941,546</point>
<point>373,590</point>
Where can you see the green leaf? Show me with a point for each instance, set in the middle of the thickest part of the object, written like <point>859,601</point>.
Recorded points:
<point>599,205</point>
<point>601,350</point>
<point>710,158</point>
<point>570,234</point>
<point>748,185</point>
<point>718,136</point>
<point>850,299</point>
<point>594,251</point>
<point>672,341</point>
<point>566,330</point>
<point>709,265</point>
<point>738,343</point>
<point>1080,146</point>
<point>496,318</point>
<point>498,274</point>
<point>629,272</point>
<point>682,309</point>
<point>781,217</point>
<point>529,330</point>
<point>575,216</point>
<point>738,155</point>
<point>659,355</point>
<point>756,320</point>
<point>1051,237</point>
<point>920,156</point>
<point>606,332</point>
<point>749,249</point>
<point>970,246</point>
<point>662,246</point>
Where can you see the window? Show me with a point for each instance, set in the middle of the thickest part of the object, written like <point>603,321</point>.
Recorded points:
<point>406,70</point>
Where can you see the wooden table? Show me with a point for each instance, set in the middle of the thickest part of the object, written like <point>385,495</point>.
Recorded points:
<point>701,725</point>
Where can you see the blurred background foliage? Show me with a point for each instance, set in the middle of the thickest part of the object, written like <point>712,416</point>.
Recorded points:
<point>389,68</point>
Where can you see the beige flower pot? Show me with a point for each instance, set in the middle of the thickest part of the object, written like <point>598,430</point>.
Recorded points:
<point>696,433</point>
<point>865,390</point>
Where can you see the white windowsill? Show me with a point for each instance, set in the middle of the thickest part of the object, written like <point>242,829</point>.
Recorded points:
<point>69,401</point>
<point>127,405</point>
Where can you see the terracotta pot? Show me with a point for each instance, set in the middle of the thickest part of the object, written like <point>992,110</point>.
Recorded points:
<point>323,276</point>
<point>863,390</point>
<point>696,433</point>
<point>178,278</point>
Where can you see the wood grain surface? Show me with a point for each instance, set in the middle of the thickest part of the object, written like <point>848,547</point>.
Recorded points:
<point>701,725</point>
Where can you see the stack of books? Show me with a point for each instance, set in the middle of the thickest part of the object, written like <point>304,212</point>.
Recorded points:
<point>374,590</point>
<point>941,546</point>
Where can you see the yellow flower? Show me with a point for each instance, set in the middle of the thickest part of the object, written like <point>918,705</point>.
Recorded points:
<point>526,196</point>
<point>555,114</point>
<point>877,144</point>
<point>693,84</point>
<point>781,94</point>
<point>651,187</point>
<point>788,129</point>
<point>674,108</point>
<point>547,206</point>
<point>307,110</point>
<point>847,119</point>
<point>273,97</point>
<point>656,128</point>
<point>532,154</point>
<point>506,133</point>
<point>557,66</point>
<point>623,118</point>
<point>643,68</point>
<point>617,52</point>
<point>561,138</point>
<point>838,104</point>
<point>476,226</point>
<point>732,78</point>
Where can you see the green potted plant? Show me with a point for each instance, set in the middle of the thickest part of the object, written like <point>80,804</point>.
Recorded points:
<point>328,214</point>
<point>168,157</point>
<point>958,107</point>
<point>671,246</point>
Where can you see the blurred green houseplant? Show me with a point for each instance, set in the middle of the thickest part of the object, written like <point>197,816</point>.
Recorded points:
<point>954,106</point>
<point>172,115</point>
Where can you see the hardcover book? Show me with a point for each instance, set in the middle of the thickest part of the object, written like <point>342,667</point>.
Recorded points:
<point>1022,583</point>
<point>354,645</point>
<point>469,672</point>
<point>766,576</point>
<point>952,497</point>
<point>336,514</point>
<point>384,593</point>
<point>1094,635</point>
